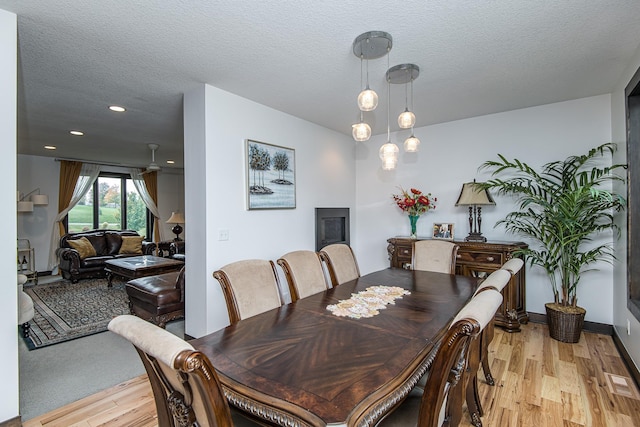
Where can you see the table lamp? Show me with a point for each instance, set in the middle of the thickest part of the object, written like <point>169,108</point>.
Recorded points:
<point>177,218</point>
<point>475,197</point>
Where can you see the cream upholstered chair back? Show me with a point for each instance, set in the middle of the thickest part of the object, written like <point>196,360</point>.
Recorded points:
<point>304,273</point>
<point>250,287</point>
<point>185,385</point>
<point>434,255</point>
<point>341,263</point>
<point>496,280</point>
<point>513,265</point>
<point>444,389</point>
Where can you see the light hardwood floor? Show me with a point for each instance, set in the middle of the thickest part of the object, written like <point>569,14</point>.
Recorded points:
<point>540,382</point>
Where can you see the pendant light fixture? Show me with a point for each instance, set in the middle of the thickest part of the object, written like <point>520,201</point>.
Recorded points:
<point>388,152</point>
<point>406,119</point>
<point>370,45</point>
<point>361,131</point>
<point>411,144</point>
<point>405,74</point>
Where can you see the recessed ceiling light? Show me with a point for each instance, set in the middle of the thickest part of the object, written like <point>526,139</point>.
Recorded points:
<point>76,132</point>
<point>170,162</point>
<point>50,147</point>
<point>117,108</point>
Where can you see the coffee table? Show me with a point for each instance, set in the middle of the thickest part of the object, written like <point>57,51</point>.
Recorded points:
<point>140,266</point>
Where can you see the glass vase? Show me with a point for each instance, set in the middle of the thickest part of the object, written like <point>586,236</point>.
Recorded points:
<point>413,220</point>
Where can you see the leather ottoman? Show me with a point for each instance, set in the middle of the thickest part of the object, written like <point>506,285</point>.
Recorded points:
<point>158,299</point>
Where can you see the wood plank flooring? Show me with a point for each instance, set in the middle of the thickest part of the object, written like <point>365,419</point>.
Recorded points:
<point>540,382</point>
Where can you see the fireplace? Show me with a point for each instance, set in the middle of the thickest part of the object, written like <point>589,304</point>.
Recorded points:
<point>332,226</point>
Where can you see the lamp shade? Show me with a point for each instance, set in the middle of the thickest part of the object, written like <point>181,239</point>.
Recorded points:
<point>406,119</point>
<point>25,206</point>
<point>361,131</point>
<point>40,199</point>
<point>389,155</point>
<point>367,100</point>
<point>411,144</point>
<point>176,218</point>
<point>471,194</point>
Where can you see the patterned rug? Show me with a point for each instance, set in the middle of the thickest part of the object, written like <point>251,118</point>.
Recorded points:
<point>65,310</point>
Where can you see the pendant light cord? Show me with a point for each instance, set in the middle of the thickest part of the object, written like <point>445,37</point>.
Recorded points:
<point>388,99</point>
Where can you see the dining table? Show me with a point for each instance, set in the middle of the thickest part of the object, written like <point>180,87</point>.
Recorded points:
<point>325,361</point>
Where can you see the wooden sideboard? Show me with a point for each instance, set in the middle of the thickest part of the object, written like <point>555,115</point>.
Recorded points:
<point>478,259</point>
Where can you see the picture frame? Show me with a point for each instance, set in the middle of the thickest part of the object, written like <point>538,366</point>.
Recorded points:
<point>271,176</point>
<point>443,230</point>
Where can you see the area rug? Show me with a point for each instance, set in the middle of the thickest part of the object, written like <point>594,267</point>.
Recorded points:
<point>65,310</point>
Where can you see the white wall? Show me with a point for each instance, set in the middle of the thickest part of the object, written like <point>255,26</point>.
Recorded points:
<point>621,313</point>
<point>9,408</point>
<point>216,126</point>
<point>43,173</point>
<point>450,154</point>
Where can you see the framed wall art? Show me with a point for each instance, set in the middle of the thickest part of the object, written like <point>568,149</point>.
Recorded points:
<point>271,176</point>
<point>443,230</point>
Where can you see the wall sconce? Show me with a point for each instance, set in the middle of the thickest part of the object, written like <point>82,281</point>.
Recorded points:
<point>31,199</point>
<point>474,197</point>
<point>176,218</point>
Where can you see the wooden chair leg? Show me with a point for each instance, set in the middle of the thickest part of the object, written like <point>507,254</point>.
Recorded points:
<point>471,386</point>
<point>486,337</point>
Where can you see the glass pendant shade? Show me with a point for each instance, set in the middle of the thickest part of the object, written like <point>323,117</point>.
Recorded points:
<point>406,119</point>
<point>389,155</point>
<point>411,144</point>
<point>361,131</point>
<point>367,100</point>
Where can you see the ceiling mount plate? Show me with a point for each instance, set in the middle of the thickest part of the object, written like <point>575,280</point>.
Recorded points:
<point>403,73</point>
<point>372,44</point>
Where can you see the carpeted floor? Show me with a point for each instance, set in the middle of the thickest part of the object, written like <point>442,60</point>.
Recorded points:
<point>66,311</point>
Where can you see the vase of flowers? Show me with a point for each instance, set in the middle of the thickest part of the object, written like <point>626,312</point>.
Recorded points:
<point>414,202</point>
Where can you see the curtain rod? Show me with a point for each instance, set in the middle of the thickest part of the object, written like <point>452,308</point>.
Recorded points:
<point>60,159</point>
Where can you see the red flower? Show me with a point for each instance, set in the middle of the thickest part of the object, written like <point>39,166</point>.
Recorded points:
<point>414,201</point>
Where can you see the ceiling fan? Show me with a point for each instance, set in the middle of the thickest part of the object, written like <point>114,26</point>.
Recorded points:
<point>153,166</point>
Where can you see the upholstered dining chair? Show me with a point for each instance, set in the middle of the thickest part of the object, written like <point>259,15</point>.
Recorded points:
<point>341,263</point>
<point>304,273</point>
<point>185,385</point>
<point>440,402</point>
<point>513,265</point>
<point>434,255</point>
<point>250,287</point>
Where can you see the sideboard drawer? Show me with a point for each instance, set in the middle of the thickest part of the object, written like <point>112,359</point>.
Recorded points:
<point>494,258</point>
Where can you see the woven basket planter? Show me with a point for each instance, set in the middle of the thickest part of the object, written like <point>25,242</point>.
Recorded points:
<point>565,323</point>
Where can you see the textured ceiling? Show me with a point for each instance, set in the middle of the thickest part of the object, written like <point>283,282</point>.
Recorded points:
<point>475,58</point>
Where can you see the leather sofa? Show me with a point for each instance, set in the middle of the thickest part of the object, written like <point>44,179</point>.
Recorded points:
<point>106,244</point>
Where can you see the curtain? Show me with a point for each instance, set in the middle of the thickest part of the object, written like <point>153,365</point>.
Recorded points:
<point>147,186</point>
<point>76,180</point>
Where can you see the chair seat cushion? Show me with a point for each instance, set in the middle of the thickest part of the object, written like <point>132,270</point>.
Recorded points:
<point>157,290</point>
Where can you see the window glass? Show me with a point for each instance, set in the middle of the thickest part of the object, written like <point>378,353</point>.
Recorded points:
<point>112,203</point>
<point>136,210</point>
<point>80,218</point>
<point>109,202</point>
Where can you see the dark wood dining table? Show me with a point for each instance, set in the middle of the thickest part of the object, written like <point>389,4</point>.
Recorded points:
<point>301,365</point>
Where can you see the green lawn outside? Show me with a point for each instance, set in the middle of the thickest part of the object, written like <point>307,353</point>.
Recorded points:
<point>81,218</point>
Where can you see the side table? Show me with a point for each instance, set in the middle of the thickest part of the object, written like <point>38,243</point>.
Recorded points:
<point>27,260</point>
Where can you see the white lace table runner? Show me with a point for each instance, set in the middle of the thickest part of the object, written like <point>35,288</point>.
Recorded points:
<point>367,303</point>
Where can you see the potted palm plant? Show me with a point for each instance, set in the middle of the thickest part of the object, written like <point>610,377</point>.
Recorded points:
<point>562,210</point>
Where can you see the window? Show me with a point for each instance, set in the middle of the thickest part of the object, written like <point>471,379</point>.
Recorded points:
<point>112,203</point>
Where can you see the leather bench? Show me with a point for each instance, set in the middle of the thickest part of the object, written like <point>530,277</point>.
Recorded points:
<point>158,299</point>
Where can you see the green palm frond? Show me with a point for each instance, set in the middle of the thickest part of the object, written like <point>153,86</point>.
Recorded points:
<point>562,209</point>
